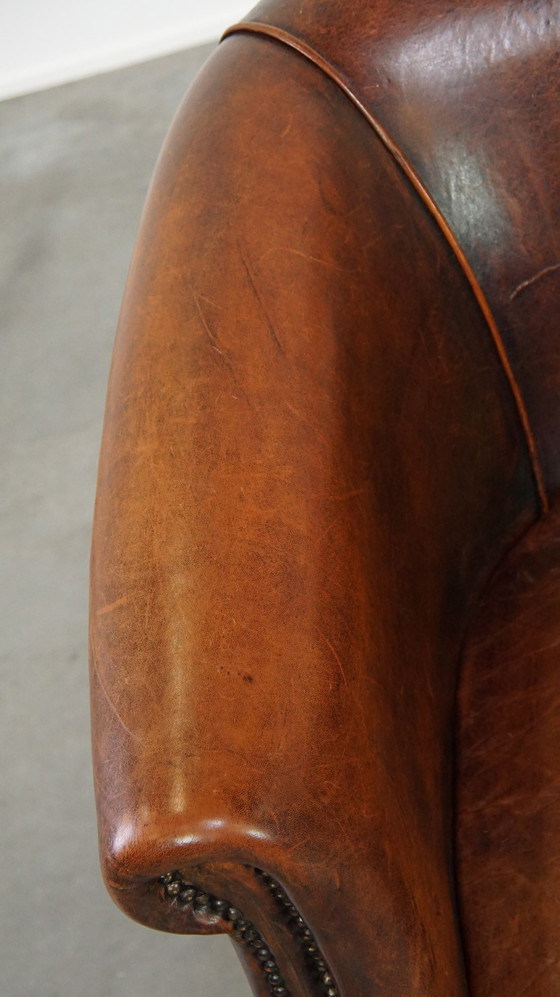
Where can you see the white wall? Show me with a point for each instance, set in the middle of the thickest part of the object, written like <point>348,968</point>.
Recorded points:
<point>45,42</point>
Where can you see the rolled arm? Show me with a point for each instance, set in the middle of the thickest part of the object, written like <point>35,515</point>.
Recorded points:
<point>278,587</point>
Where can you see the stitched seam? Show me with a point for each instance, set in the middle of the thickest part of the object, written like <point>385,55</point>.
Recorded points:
<point>318,60</point>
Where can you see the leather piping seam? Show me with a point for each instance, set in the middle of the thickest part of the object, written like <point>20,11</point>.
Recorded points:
<point>284,37</point>
<point>212,909</point>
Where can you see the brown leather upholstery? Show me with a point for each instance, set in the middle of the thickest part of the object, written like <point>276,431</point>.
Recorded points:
<point>332,414</point>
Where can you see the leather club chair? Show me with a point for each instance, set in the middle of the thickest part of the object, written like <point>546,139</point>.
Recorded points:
<point>326,556</point>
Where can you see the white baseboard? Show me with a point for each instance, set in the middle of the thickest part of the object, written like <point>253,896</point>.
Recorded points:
<point>75,58</point>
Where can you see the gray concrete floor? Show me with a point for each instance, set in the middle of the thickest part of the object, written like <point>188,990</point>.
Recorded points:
<point>74,165</point>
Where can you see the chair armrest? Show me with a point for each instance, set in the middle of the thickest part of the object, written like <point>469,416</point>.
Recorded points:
<point>310,463</point>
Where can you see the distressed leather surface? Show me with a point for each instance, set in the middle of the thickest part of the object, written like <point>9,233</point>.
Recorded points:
<point>508,776</point>
<point>469,94</point>
<point>313,460</point>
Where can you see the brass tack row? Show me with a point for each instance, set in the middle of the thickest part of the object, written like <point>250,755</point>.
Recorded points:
<point>187,896</point>
<point>303,935</point>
